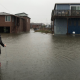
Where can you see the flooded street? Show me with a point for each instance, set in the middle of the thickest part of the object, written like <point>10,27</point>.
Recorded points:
<point>40,56</point>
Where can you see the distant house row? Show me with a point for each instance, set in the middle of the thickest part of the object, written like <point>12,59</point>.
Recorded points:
<point>10,23</point>
<point>65,18</point>
<point>36,25</point>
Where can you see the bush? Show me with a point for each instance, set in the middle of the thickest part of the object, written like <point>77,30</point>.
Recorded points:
<point>44,30</point>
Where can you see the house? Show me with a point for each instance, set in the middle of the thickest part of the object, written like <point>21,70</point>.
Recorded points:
<point>65,18</point>
<point>48,26</point>
<point>10,23</point>
<point>36,25</point>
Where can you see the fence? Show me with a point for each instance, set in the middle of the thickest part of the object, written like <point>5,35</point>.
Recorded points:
<point>66,13</point>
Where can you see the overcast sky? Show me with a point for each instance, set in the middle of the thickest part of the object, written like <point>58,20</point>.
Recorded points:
<point>38,10</point>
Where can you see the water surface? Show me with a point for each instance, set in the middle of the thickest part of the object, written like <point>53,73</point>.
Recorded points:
<point>40,56</point>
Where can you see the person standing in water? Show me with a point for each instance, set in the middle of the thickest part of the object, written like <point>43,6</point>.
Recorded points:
<point>2,44</point>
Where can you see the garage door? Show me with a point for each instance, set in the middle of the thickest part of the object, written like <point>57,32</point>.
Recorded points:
<point>74,25</point>
<point>4,29</point>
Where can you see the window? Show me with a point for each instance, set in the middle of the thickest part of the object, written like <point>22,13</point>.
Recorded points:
<point>75,8</point>
<point>12,19</point>
<point>8,18</point>
<point>78,8</point>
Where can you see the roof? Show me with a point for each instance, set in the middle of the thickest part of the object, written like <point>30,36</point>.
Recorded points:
<point>8,14</point>
<point>21,14</point>
<point>68,3</point>
<point>3,13</point>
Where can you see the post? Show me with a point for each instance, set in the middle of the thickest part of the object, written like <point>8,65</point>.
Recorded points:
<point>53,27</point>
<point>67,25</point>
<point>16,24</point>
<point>10,29</point>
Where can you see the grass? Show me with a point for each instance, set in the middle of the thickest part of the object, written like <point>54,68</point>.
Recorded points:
<point>44,30</point>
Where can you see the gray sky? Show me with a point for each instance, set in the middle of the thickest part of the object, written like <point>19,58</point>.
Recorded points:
<point>38,10</point>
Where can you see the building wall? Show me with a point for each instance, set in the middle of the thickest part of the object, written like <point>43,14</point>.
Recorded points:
<point>55,26</point>
<point>60,26</point>
<point>62,7</point>
<point>20,27</point>
<point>28,24</point>
<point>12,29</point>
<point>24,25</point>
<point>52,26</point>
<point>3,23</point>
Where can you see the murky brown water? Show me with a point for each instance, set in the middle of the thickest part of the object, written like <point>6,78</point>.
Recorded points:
<point>40,56</point>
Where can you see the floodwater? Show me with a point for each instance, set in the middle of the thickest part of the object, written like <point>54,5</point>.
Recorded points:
<point>40,56</point>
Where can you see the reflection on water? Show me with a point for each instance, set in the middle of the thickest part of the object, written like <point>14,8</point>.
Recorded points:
<point>40,56</point>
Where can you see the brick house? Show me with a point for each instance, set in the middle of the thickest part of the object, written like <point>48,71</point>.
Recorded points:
<point>10,23</point>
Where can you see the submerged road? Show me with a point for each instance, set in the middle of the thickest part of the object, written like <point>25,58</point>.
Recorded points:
<point>40,56</point>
